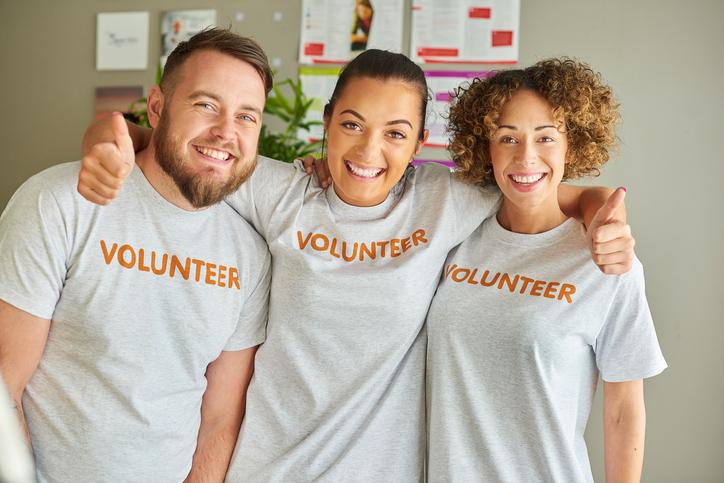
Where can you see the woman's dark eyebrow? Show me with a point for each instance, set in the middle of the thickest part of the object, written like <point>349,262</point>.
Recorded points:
<point>539,128</point>
<point>361,117</point>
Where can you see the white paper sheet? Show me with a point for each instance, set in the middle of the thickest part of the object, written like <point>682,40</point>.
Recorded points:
<point>122,41</point>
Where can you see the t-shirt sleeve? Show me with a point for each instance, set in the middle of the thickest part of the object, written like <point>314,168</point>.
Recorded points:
<point>251,328</point>
<point>465,205</point>
<point>627,348</point>
<point>259,196</point>
<point>34,249</point>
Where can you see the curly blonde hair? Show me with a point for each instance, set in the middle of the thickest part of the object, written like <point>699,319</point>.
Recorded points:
<point>576,95</point>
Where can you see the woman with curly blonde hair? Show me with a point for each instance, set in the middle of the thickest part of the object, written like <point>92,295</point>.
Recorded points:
<point>523,322</point>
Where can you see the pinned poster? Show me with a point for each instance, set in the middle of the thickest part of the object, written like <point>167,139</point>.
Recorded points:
<point>122,41</point>
<point>334,31</point>
<point>465,31</point>
<point>318,85</point>
<point>180,25</point>
<point>443,83</point>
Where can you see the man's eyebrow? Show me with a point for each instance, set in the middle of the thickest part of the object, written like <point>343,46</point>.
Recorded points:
<point>361,117</point>
<point>211,95</point>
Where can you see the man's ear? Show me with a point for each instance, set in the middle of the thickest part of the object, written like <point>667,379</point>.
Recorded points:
<point>154,105</point>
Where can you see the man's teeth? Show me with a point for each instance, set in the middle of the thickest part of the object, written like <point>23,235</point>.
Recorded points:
<point>220,155</point>
<point>365,173</point>
<point>527,179</point>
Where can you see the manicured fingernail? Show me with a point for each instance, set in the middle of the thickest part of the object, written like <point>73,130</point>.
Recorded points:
<point>622,188</point>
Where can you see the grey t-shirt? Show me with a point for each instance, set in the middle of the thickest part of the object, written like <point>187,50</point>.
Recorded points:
<point>518,331</point>
<point>338,390</point>
<point>143,296</point>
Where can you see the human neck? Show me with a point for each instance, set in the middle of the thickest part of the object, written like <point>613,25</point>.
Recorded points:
<point>160,181</point>
<point>530,221</point>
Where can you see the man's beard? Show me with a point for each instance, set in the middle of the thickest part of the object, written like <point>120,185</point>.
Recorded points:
<point>199,187</point>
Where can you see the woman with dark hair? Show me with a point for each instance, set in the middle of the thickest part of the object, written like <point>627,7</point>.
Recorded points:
<point>361,24</point>
<point>523,322</point>
<point>338,392</point>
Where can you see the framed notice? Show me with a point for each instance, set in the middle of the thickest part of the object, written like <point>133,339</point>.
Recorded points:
<point>122,41</point>
<point>334,31</point>
<point>465,31</point>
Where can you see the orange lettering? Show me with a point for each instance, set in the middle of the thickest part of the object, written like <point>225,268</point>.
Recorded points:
<point>526,281</point>
<point>370,253</point>
<point>164,260</point>
<point>449,269</point>
<point>141,266</point>
<point>382,246</point>
<point>485,277</point>
<point>419,236</point>
<point>108,256</point>
<point>472,280</point>
<point>198,264</point>
<point>550,289</point>
<point>222,275</point>
<point>566,291</point>
<point>176,264</point>
<point>344,252</point>
<point>210,273</point>
<point>395,247</point>
<point>406,244</point>
<point>303,244</point>
<point>460,270</point>
<point>334,245</point>
<point>536,288</point>
<point>121,258</point>
<point>320,237</point>
<point>234,278</point>
<point>511,285</point>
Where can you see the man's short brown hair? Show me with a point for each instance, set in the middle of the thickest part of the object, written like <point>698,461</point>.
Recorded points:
<point>224,41</point>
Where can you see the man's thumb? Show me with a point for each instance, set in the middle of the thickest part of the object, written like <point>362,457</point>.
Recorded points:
<point>120,133</point>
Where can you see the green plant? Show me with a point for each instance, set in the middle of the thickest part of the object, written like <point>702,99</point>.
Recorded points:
<point>286,146</point>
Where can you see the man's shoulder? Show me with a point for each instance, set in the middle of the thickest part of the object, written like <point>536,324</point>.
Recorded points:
<point>57,182</point>
<point>58,175</point>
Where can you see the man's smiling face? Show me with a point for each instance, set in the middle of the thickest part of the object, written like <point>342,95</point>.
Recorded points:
<point>207,137</point>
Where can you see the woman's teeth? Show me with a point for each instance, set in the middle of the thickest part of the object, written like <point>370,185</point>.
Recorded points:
<point>365,173</point>
<point>526,179</point>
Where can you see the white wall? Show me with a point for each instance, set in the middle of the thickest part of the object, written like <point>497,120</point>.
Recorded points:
<point>664,61</point>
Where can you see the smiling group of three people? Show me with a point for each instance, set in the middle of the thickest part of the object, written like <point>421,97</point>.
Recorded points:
<point>421,323</point>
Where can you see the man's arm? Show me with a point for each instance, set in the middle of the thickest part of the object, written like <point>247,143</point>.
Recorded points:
<point>22,341</point>
<point>222,410</point>
<point>624,428</point>
<point>604,214</point>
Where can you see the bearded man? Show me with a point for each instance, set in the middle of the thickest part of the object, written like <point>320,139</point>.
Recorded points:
<point>128,332</point>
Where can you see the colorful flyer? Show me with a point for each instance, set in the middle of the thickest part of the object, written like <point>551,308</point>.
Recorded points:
<point>334,31</point>
<point>465,31</point>
<point>180,25</point>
